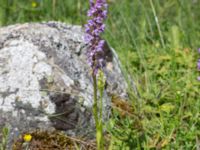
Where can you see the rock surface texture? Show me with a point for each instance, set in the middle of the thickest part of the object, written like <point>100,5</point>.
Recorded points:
<point>45,80</point>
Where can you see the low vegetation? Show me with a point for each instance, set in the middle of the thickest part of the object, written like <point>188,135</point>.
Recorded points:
<point>157,43</point>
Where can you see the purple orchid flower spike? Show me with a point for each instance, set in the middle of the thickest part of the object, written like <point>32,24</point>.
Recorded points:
<point>93,29</point>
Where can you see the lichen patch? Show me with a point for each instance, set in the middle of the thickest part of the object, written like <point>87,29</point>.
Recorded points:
<point>22,75</point>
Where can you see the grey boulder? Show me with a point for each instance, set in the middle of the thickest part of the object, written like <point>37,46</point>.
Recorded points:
<point>45,81</point>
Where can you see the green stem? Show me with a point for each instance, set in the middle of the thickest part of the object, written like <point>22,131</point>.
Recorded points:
<point>95,111</point>
<point>101,118</point>
<point>98,114</point>
<point>157,24</point>
<point>53,8</point>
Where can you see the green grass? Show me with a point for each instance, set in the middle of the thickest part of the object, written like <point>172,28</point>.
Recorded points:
<point>4,134</point>
<point>158,55</point>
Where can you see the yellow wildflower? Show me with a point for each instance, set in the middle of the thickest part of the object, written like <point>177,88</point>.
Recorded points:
<point>34,4</point>
<point>27,137</point>
<point>178,92</point>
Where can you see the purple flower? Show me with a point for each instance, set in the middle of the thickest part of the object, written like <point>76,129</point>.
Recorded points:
<point>93,29</point>
<point>198,64</point>
<point>199,50</point>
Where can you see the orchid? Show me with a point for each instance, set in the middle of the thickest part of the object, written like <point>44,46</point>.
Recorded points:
<point>93,29</point>
<point>96,59</point>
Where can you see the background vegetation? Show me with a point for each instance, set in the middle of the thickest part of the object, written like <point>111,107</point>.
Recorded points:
<point>157,42</point>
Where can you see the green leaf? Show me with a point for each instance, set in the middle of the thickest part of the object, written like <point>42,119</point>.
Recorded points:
<point>167,107</point>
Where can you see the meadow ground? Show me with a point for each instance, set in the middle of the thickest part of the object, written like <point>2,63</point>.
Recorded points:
<point>157,43</point>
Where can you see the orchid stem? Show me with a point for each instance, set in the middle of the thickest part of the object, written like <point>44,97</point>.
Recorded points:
<point>95,111</point>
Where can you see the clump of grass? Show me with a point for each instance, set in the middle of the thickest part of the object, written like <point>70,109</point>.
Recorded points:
<point>4,138</point>
<point>165,77</point>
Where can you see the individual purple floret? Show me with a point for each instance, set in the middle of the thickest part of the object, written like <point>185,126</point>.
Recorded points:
<point>198,65</point>
<point>93,29</point>
<point>199,50</point>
